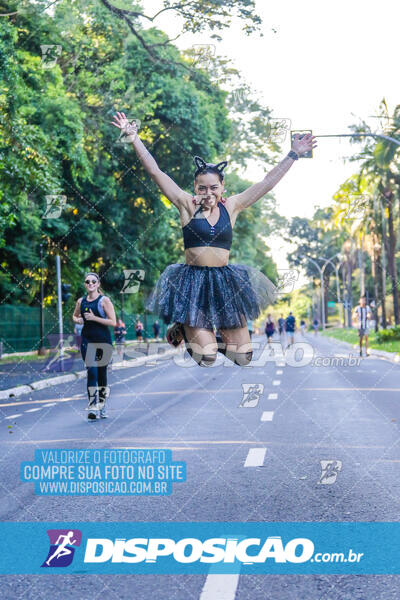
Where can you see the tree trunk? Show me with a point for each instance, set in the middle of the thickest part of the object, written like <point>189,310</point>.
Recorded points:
<point>376,286</point>
<point>326,288</point>
<point>349,292</point>
<point>391,256</point>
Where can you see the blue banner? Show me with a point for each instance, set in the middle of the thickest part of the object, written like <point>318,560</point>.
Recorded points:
<point>220,547</point>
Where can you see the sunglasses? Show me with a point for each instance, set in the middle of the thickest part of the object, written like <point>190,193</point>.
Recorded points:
<point>87,281</point>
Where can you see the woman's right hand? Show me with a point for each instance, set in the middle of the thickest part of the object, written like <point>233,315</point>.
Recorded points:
<point>199,199</point>
<point>79,320</point>
<point>127,128</point>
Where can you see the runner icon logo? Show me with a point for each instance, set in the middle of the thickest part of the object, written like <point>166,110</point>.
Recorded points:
<point>251,394</point>
<point>61,551</point>
<point>330,470</point>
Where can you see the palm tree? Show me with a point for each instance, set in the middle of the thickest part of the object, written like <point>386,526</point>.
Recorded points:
<point>380,168</point>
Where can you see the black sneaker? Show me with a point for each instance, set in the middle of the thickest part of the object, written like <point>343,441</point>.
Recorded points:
<point>175,334</point>
<point>91,416</point>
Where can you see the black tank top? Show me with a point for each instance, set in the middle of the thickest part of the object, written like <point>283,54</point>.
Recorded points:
<point>199,232</point>
<point>92,330</point>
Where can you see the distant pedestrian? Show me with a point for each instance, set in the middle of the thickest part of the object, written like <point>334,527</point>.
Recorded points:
<point>250,327</point>
<point>119,336</point>
<point>315,326</point>
<point>139,330</point>
<point>156,329</point>
<point>269,328</point>
<point>281,325</point>
<point>302,326</point>
<point>363,314</point>
<point>78,334</point>
<point>290,327</point>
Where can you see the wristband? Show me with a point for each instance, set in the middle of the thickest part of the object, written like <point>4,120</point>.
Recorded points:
<point>293,154</point>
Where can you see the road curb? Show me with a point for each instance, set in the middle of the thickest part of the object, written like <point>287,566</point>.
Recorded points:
<point>45,383</point>
<point>14,392</point>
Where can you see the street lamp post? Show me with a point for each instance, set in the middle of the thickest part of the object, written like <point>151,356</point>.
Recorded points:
<point>374,135</point>
<point>321,271</point>
<point>41,349</point>
<point>337,267</point>
<point>322,307</point>
<point>347,248</point>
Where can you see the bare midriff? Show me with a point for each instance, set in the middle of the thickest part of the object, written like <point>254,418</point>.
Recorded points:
<point>206,256</point>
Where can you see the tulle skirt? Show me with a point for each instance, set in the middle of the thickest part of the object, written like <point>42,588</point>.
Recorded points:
<point>208,297</point>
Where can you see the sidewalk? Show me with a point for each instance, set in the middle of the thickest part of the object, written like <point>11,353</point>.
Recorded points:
<point>19,377</point>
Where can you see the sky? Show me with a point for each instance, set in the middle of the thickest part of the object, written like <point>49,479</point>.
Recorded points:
<point>322,65</point>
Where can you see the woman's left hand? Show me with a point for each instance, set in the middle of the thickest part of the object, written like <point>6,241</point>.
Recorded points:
<point>308,142</point>
<point>90,316</point>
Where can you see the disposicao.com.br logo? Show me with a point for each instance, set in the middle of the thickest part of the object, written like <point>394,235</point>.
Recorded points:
<point>212,550</point>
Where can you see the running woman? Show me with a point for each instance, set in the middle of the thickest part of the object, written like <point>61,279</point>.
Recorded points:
<point>269,328</point>
<point>97,314</point>
<point>206,292</point>
<point>363,314</point>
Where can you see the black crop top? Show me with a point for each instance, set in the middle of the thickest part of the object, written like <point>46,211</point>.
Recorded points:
<point>199,232</point>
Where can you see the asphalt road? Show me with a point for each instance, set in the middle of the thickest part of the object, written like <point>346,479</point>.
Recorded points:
<point>248,459</point>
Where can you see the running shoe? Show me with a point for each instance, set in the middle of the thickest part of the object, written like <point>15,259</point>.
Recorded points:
<point>103,413</point>
<point>175,334</point>
<point>103,395</point>
<point>91,416</point>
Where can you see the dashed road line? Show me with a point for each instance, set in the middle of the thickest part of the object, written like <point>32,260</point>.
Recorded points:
<point>220,586</point>
<point>255,457</point>
<point>267,415</point>
<point>272,396</point>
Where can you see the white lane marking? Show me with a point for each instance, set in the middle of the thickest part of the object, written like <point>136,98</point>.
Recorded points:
<point>255,457</point>
<point>49,404</point>
<point>14,416</point>
<point>279,373</point>
<point>272,396</point>
<point>33,409</point>
<point>267,415</point>
<point>220,586</point>
<point>281,364</point>
<point>276,382</point>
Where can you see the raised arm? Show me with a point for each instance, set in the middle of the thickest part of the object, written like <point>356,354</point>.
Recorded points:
<point>168,187</point>
<point>258,190</point>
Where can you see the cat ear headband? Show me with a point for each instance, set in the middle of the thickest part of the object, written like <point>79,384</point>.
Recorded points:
<point>201,164</point>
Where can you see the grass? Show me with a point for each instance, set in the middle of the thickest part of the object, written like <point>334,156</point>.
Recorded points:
<point>18,358</point>
<point>351,336</point>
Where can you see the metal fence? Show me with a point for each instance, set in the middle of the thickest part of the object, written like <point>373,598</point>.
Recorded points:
<point>20,326</point>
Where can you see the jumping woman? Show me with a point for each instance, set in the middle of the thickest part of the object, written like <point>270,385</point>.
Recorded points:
<point>206,293</point>
<point>97,314</point>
